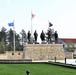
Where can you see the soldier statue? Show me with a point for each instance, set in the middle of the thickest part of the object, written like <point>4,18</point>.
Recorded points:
<point>42,36</point>
<point>29,36</point>
<point>56,36</point>
<point>49,35</point>
<point>35,35</point>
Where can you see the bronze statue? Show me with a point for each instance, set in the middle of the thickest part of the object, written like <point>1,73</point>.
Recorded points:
<point>42,36</point>
<point>28,36</point>
<point>56,36</point>
<point>35,35</point>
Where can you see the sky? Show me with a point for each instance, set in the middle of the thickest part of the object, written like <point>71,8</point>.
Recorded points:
<point>61,13</point>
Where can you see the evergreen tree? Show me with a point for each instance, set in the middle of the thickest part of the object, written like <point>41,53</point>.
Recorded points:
<point>10,39</point>
<point>3,34</point>
<point>23,36</point>
<point>3,46</point>
<point>17,43</point>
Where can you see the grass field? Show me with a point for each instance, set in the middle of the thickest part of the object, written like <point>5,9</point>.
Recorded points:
<point>35,69</point>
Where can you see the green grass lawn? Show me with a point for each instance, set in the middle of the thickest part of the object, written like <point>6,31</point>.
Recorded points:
<point>35,69</point>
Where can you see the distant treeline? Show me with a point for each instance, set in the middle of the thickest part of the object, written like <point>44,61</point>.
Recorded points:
<point>6,40</point>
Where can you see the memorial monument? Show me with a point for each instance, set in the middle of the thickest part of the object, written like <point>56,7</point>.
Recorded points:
<point>46,51</point>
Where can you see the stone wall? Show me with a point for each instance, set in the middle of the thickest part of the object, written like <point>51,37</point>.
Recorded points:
<point>69,55</point>
<point>3,56</point>
<point>39,52</point>
<point>44,51</point>
<point>14,54</point>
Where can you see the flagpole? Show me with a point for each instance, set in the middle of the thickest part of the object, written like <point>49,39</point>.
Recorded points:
<point>31,25</point>
<point>32,16</point>
<point>14,36</point>
<point>48,23</point>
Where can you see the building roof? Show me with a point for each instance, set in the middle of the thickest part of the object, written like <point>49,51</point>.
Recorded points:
<point>68,40</point>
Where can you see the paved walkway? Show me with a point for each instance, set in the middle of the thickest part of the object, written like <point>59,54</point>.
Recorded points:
<point>49,60</point>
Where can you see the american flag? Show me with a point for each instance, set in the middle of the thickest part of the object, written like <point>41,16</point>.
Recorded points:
<point>32,15</point>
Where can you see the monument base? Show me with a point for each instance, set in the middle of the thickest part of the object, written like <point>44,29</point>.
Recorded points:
<point>44,51</point>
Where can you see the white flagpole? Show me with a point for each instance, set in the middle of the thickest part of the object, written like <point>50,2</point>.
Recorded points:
<point>31,25</point>
<point>48,23</point>
<point>14,36</point>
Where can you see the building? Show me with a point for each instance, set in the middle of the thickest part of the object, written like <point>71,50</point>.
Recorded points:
<point>69,45</point>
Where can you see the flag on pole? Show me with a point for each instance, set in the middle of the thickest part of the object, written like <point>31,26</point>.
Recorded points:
<point>50,24</point>
<point>32,15</point>
<point>11,24</point>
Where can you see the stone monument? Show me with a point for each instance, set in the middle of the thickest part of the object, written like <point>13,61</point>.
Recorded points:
<point>44,51</point>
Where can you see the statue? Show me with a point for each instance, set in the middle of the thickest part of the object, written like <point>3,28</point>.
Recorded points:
<point>42,36</point>
<point>56,36</point>
<point>35,35</point>
<point>28,36</point>
<point>49,33</point>
<point>50,36</point>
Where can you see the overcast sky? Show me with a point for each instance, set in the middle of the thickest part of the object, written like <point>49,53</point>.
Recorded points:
<point>61,13</point>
